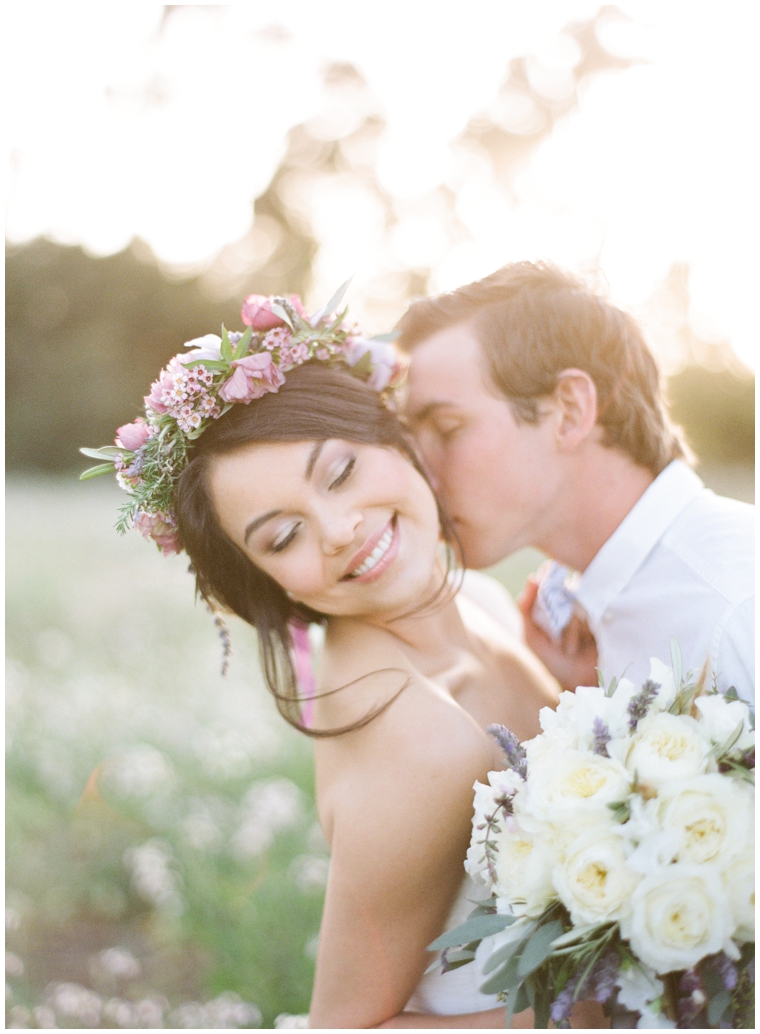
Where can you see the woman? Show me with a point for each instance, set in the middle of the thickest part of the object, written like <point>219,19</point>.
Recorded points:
<point>307,503</point>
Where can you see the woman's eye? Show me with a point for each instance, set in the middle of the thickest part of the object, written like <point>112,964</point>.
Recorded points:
<point>282,543</point>
<point>344,474</point>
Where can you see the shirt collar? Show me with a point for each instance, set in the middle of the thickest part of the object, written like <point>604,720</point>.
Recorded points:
<point>635,537</point>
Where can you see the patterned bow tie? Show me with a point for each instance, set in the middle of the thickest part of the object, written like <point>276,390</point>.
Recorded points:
<point>555,600</point>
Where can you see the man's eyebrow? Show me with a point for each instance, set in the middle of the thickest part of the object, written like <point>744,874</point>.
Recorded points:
<point>429,409</point>
<point>257,522</point>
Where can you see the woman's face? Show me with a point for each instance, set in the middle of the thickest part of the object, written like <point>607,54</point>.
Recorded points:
<point>346,529</point>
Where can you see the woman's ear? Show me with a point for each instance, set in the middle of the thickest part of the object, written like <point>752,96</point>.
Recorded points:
<point>576,407</point>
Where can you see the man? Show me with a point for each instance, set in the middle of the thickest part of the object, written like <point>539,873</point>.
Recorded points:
<point>539,412</point>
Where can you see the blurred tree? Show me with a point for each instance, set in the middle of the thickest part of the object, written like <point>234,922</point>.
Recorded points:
<point>110,323</point>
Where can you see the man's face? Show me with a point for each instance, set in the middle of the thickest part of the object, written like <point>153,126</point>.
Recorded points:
<point>495,477</point>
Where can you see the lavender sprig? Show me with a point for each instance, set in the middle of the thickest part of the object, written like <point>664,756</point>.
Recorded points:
<point>639,704</point>
<point>598,985</point>
<point>602,737</point>
<point>514,752</point>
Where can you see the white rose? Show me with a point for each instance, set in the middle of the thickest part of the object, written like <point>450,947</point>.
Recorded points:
<point>739,878</point>
<point>664,747</point>
<point>721,717</point>
<point>594,883</point>
<point>523,870</point>
<point>556,739</point>
<point>712,814</point>
<point>574,786</point>
<point>679,915</point>
<point>499,784</point>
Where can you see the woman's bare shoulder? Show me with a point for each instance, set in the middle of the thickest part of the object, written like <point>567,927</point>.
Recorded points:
<point>364,668</point>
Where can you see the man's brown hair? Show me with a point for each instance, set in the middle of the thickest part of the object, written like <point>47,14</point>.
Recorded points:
<point>533,321</point>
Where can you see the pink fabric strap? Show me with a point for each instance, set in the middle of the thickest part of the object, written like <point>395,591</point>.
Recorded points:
<point>302,662</point>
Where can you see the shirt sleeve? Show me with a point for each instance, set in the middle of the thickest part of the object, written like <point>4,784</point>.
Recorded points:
<point>735,653</point>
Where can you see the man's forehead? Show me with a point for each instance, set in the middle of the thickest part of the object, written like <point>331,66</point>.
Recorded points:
<point>445,371</point>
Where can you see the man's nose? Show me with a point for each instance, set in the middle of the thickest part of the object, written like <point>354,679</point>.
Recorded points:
<point>339,530</point>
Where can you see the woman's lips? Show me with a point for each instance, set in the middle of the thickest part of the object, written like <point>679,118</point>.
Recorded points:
<point>388,555</point>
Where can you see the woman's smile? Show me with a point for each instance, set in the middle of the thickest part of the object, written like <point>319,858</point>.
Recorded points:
<point>344,528</point>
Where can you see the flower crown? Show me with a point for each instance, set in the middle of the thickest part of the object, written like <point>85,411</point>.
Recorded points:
<point>203,383</point>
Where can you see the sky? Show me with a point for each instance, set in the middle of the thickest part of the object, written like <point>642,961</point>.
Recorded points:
<point>123,123</point>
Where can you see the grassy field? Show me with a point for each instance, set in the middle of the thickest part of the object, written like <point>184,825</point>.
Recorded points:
<point>165,867</point>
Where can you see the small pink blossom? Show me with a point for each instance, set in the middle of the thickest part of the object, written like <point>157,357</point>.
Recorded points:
<point>323,353</point>
<point>133,436</point>
<point>159,389</point>
<point>277,338</point>
<point>161,528</point>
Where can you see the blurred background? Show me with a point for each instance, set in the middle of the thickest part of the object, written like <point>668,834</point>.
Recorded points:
<point>165,868</point>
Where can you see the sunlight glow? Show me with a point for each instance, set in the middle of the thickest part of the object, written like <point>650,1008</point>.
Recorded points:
<point>127,122</point>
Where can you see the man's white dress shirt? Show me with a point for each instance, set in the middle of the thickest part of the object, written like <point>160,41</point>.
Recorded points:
<point>680,564</point>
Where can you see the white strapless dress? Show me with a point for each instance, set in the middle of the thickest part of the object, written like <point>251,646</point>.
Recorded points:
<point>458,991</point>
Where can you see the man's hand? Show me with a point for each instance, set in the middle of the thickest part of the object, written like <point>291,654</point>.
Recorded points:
<point>573,659</point>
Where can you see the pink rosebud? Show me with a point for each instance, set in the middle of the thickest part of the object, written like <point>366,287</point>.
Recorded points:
<point>132,436</point>
<point>257,313</point>
<point>164,383</point>
<point>155,526</point>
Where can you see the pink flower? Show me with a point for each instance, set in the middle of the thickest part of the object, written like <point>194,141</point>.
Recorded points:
<point>257,313</point>
<point>385,361</point>
<point>254,376</point>
<point>164,383</point>
<point>160,528</point>
<point>132,436</point>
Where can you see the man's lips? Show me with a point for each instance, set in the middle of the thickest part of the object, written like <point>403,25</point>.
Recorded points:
<point>388,530</point>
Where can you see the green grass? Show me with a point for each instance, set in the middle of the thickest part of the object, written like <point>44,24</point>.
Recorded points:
<point>127,749</point>
<point>114,684</point>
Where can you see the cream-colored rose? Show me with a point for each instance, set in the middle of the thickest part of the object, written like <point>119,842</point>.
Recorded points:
<point>523,870</point>
<point>664,747</point>
<point>679,915</point>
<point>739,878</point>
<point>593,882</point>
<point>713,816</point>
<point>574,786</point>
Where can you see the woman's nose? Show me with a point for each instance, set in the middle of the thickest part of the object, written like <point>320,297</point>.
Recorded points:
<point>339,530</point>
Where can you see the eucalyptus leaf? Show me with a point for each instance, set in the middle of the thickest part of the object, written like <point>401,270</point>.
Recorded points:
<point>718,1006</point>
<point>284,315</point>
<point>516,1002</point>
<point>506,951</point>
<point>471,930</point>
<point>242,346</point>
<point>332,305</point>
<point>730,742</point>
<point>210,364</point>
<point>676,661</point>
<point>93,472</point>
<point>483,908</point>
<point>459,956</point>
<point>539,947</point>
<point>505,979</point>
<point>392,335</point>
<point>541,1011</point>
<point>578,933</point>
<point>226,347</point>
<point>106,453</point>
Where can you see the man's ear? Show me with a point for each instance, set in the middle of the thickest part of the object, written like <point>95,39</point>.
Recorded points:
<point>576,408</point>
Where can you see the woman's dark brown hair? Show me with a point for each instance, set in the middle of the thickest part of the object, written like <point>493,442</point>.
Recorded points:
<point>316,403</point>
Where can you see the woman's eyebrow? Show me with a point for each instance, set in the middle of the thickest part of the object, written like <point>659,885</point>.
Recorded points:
<point>313,457</point>
<point>257,522</point>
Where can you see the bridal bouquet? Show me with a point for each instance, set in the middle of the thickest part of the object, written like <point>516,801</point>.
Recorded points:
<point>619,848</point>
